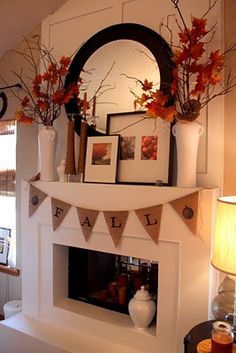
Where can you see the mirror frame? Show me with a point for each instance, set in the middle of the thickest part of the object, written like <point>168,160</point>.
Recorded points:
<point>128,31</point>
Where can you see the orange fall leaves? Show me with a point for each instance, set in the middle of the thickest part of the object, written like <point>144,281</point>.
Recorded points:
<point>47,94</point>
<point>192,75</point>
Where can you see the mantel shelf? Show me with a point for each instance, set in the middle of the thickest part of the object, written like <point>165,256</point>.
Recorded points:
<point>12,271</point>
<point>110,196</point>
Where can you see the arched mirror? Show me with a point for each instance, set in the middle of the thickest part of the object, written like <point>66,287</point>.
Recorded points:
<point>108,63</point>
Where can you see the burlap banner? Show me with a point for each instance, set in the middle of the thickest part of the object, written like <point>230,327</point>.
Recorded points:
<point>36,197</point>
<point>59,211</point>
<point>187,207</point>
<point>116,221</point>
<point>150,218</point>
<point>87,219</point>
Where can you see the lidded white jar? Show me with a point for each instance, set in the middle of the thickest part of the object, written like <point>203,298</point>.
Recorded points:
<point>142,308</point>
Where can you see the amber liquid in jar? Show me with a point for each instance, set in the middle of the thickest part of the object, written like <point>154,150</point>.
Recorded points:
<point>221,338</point>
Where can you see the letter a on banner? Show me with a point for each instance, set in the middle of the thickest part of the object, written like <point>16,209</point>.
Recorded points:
<point>36,197</point>
<point>150,217</point>
<point>87,219</point>
<point>59,211</point>
<point>187,207</point>
<point>116,221</point>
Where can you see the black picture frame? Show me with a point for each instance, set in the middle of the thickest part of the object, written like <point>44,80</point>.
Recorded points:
<point>103,168</point>
<point>131,31</point>
<point>137,166</point>
<point>5,234</point>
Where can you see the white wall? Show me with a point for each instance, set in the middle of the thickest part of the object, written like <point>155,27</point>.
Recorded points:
<point>230,106</point>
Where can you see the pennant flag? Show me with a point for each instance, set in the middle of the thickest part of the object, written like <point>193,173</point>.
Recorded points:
<point>150,218</point>
<point>59,211</point>
<point>34,177</point>
<point>187,207</point>
<point>116,221</point>
<point>87,219</point>
<point>36,197</point>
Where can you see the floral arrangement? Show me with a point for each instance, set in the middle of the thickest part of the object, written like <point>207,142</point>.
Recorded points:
<point>42,99</point>
<point>195,77</point>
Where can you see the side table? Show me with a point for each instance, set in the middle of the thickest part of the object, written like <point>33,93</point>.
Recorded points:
<point>197,334</point>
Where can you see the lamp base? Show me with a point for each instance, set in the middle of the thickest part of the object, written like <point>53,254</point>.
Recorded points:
<point>223,304</point>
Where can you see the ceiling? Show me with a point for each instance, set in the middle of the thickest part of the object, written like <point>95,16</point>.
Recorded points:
<point>19,17</point>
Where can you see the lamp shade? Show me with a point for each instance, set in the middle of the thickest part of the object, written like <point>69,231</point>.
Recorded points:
<point>224,242</point>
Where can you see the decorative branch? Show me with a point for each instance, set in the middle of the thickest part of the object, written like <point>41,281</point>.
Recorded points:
<point>195,76</point>
<point>42,93</point>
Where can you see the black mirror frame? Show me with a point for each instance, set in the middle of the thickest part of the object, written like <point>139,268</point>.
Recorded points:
<point>3,97</point>
<point>130,31</point>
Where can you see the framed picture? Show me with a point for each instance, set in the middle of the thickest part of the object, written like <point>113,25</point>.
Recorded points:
<point>101,159</point>
<point>145,148</point>
<point>5,234</point>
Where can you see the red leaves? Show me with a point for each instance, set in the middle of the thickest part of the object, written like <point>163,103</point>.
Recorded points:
<point>191,46</point>
<point>198,28</point>
<point>217,59</point>
<point>155,102</point>
<point>25,102</point>
<point>65,61</point>
<point>22,118</point>
<point>197,50</point>
<point>194,75</point>
<point>42,105</point>
<point>48,93</point>
<point>194,34</point>
<point>146,85</point>
<point>69,94</point>
<point>209,74</point>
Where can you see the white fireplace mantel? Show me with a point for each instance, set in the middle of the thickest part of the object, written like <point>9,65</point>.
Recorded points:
<point>186,278</point>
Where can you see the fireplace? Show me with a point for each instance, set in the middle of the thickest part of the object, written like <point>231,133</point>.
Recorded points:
<point>109,280</point>
<point>182,259</point>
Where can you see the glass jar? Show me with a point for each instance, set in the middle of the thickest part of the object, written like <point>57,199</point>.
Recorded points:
<point>222,337</point>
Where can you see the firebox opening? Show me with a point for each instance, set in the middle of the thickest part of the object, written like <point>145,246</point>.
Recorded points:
<point>109,280</point>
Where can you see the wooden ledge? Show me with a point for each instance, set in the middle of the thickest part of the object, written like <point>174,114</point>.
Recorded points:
<point>12,271</point>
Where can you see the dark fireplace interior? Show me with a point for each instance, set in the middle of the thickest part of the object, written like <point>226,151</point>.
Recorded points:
<point>109,280</point>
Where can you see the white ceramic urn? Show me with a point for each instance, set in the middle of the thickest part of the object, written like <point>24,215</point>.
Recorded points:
<point>47,150</point>
<point>142,308</point>
<point>187,135</point>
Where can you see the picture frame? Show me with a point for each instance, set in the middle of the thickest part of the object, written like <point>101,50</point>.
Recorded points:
<point>5,234</point>
<point>101,159</point>
<point>138,134</point>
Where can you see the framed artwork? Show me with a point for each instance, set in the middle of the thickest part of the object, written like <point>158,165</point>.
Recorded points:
<point>145,148</point>
<point>101,159</point>
<point>5,234</point>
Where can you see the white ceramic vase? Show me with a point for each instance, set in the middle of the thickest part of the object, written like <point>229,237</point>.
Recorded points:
<point>187,136</point>
<point>142,308</point>
<point>47,139</point>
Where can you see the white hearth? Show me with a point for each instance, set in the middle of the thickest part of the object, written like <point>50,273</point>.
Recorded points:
<point>185,283</point>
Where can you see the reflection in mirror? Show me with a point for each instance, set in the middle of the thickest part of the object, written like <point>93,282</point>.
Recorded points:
<point>106,75</point>
<point>109,58</point>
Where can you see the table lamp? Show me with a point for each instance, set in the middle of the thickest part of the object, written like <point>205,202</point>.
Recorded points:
<point>224,242</point>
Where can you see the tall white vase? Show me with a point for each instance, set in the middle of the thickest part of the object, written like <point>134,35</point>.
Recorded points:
<point>47,150</point>
<point>187,136</point>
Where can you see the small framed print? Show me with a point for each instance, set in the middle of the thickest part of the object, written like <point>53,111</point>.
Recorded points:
<point>145,148</point>
<point>5,234</point>
<point>101,159</point>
